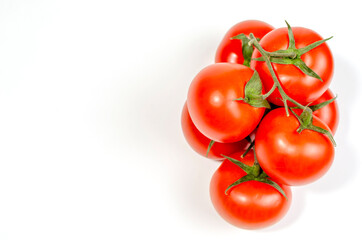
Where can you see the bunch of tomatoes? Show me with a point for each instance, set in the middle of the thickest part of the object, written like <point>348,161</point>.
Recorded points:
<point>264,108</point>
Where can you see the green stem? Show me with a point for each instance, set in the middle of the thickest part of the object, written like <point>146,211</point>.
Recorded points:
<point>283,54</point>
<point>275,54</point>
<point>320,105</point>
<point>265,96</point>
<point>248,149</point>
<point>267,56</point>
<point>256,167</point>
<point>306,122</point>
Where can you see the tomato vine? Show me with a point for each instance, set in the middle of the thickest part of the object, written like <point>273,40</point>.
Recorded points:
<point>291,56</point>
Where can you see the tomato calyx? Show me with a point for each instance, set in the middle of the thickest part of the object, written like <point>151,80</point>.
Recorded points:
<point>322,104</point>
<point>306,122</point>
<point>253,93</point>
<point>253,173</point>
<point>292,55</point>
<point>209,147</point>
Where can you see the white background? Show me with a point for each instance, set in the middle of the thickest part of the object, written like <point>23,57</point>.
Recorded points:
<point>90,101</point>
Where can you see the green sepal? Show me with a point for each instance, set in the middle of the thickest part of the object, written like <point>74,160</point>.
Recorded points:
<point>253,92</point>
<point>263,175</point>
<point>265,180</point>
<point>296,62</point>
<point>260,59</point>
<point>237,182</point>
<point>254,173</point>
<point>246,48</point>
<point>306,117</point>
<point>282,60</point>
<point>303,50</point>
<point>324,131</point>
<point>259,103</point>
<point>291,37</point>
<point>321,105</point>
<point>254,86</point>
<point>274,185</point>
<point>305,69</point>
<point>243,166</point>
<point>209,147</point>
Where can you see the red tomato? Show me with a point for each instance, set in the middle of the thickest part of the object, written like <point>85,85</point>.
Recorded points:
<point>212,105</point>
<point>251,204</point>
<point>199,143</point>
<point>297,85</point>
<point>230,50</point>
<point>329,114</point>
<point>290,157</point>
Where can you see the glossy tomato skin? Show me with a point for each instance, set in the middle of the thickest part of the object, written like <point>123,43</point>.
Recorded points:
<point>329,114</point>
<point>297,85</point>
<point>199,143</point>
<point>290,157</point>
<point>212,105</point>
<point>230,50</point>
<point>249,205</point>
